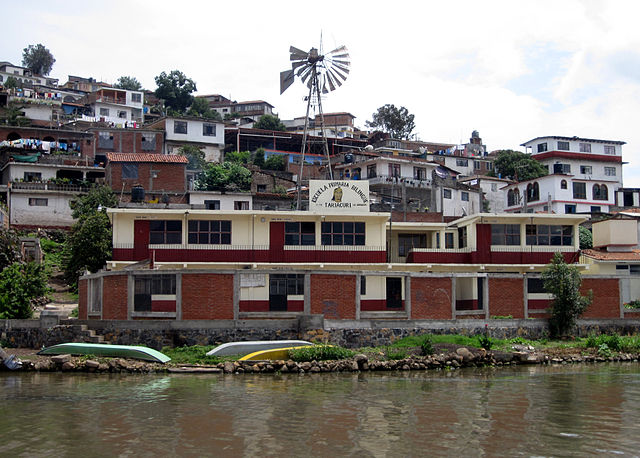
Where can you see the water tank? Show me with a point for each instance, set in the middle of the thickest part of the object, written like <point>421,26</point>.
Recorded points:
<point>137,194</point>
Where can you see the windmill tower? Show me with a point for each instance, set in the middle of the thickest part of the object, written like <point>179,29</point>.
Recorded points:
<point>322,73</point>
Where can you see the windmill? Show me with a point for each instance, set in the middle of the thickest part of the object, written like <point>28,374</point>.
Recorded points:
<point>322,73</point>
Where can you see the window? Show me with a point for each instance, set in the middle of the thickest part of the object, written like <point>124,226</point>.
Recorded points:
<point>533,192</point>
<point>462,237</point>
<point>148,142</point>
<point>562,168</point>
<point>363,285</point>
<point>585,147</point>
<point>634,269</point>
<point>165,232</point>
<point>609,149</point>
<point>38,202</point>
<point>129,171</point>
<point>448,240</point>
<point>586,169</point>
<point>300,233</point>
<point>563,146</point>
<point>513,197</point>
<point>293,284</point>
<point>555,235</point>
<point>408,241</point>
<point>208,130</point>
<point>419,173</point>
<point>446,193</point>
<point>624,267</point>
<point>212,204</point>
<point>595,209</point>
<point>145,286</point>
<point>122,114</point>
<point>505,234</point>
<point>462,162</point>
<point>104,112</point>
<point>477,165</point>
<point>542,147</point>
<point>32,176</point>
<point>535,286</point>
<point>105,140</point>
<point>394,170</point>
<point>579,190</point>
<point>563,184</point>
<point>600,192</point>
<point>241,205</point>
<point>136,97</point>
<point>179,127</point>
<point>569,209</point>
<point>464,196</point>
<point>371,171</point>
<point>610,171</point>
<point>205,232</point>
<point>489,165</point>
<point>261,188</point>
<point>494,187</point>
<point>338,233</point>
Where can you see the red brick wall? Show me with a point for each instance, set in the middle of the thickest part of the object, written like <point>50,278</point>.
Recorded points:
<point>170,177</point>
<point>506,297</point>
<point>82,299</point>
<point>128,141</point>
<point>207,296</point>
<point>606,297</point>
<point>334,296</point>
<point>114,297</point>
<point>430,298</point>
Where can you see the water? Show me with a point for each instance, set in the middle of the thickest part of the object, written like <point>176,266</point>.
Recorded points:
<point>526,411</point>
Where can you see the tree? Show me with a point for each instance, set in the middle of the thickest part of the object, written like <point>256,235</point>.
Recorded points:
<point>195,155</point>
<point>238,157</point>
<point>12,83</point>
<point>200,107</point>
<point>9,248</point>
<point>258,157</point>
<point>20,284</point>
<point>516,165</point>
<point>396,121</point>
<point>13,115</point>
<point>88,204</point>
<point>175,89</point>
<point>276,162</point>
<point>38,59</point>
<point>128,82</point>
<point>563,282</point>
<point>586,238</point>
<point>227,176</point>
<point>269,122</point>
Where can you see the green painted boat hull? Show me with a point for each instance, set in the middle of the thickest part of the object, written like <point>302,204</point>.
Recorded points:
<point>117,351</point>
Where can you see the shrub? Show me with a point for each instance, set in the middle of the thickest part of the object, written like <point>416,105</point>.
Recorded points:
<point>604,350</point>
<point>396,353</point>
<point>319,353</point>
<point>20,284</point>
<point>427,346</point>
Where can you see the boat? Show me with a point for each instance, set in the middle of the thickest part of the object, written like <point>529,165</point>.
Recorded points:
<point>273,353</point>
<point>244,348</point>
<point>120,351</point>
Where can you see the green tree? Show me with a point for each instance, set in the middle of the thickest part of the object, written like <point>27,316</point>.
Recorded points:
<point>269,122</point>
<point>20,284</point>
<point>195,155</point>
<point>175,89</point>
<point>228,176</point>
<point>239,157</point>
<point>9,248</point>
<point>87,204</point>
<point>516,165</point>
<point>13,115</point>
<point>398,122</point>
<point>38,59</point>
<point>276,162</point>
<point>563,282</point>
<point>130,83</point>
<point>200,107</point>
<point>258,157</point>
<point>12,83</point>
<point>586,238</point>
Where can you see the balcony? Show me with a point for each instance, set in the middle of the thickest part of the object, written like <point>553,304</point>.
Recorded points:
<point>399,181</point>
<point>114,100</point>
<point>529,254</point>
<point>38,186</point>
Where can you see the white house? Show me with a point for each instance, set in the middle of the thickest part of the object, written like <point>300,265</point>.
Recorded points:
<point>118,106</point>
<point>492,191</point>
<point>214,200</point>
<point>206,134</point>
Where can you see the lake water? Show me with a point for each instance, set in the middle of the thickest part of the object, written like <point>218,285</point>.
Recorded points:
<point>522,411</point>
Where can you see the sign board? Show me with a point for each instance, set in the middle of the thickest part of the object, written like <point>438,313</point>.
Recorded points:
<point>252,280</point>
<point>339,196</point>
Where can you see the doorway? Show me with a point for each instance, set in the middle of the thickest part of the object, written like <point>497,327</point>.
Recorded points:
<point>394,292</point>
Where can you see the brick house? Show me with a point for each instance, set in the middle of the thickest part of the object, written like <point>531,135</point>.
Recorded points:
<point>112,140</point>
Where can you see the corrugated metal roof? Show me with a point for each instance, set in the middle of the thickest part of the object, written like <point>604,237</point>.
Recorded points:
<point>146,157</point>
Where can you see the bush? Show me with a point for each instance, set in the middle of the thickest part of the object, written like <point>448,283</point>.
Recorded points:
<point>604,350</point>
<point>195,354</point>
<point>319,353</point>
<point>20,284</point>
<point>427,346</point>
<point>395,353</point>
<point>613,342</point>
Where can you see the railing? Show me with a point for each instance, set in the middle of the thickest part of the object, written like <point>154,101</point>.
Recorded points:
<point>107,99</point>
<point>400,181</point>
<point>49,186</point>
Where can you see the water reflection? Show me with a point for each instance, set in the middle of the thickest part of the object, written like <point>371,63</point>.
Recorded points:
<point>568,410</point>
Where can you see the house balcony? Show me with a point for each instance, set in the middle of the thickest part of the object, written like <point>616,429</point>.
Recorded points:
<point>113,100</point>
<point>494,255</point>
<point>39,186</point>
<point>389,180</point>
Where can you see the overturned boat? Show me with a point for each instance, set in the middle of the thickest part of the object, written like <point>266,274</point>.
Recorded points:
<point>116,351</point>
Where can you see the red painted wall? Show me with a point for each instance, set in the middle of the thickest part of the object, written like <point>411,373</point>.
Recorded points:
<point>207,296</point>
<point>431,298</point>
<point>334,296</point>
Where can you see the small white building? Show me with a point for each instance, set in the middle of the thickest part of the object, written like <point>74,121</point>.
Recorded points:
<point>492,189</point>
<point>215,200</point>
<point>121,107</point>
<point>206,134</point>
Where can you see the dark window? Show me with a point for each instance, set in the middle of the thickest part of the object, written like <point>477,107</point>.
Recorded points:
<point>206,232</point>
<point>462,162</point>
<point>585,147</point>
<point>533,192</point>
<point>339,233</point>
<point>579,190</point>
<point>136,97</point>
<point>542,147</point>
<point>462,237</point>
<point>446,193</point>
<point>148,285</point>
<point>419,173</point>
<point>535,286</point>
<point>555,235</point>
<point>165,232</point>
<point>595,209</point>
<point>241,205</point>
<point>600,192</point>
<point>148,142</point>
<point>209,130</point>
<point>563,184</point>
<point>104,112</point>
<point>586,170</point>
<point>129,171</point>
<point>624,267</point>
<point>569,208</point>
<point>634,269</point>
<point>394,170</point>
<point>179,127</point>
<point>563,169</point>
<point>32,176</point>
<point>38,202</point>
<point>408,241</point>
<point>563,146</point>
<point>464,196</point>
<point>212,204</point>
<point>505,234</point>
<point>448,240</point>
<point>292,286</point>
<point>371,171</point>
<point>513,197</point>
<point>262,188</point>
<point>363,285</point>
<point>300,233</point>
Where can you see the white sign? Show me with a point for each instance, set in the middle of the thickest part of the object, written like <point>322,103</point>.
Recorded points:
<point>338,196</point>
<point>252,280</point>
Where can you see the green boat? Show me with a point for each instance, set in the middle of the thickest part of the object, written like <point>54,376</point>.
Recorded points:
<point>119,351</point>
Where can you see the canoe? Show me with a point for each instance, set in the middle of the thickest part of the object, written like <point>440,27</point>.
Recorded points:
<point>273,353</point>
<point>120,351</point>
<point>244,348</point>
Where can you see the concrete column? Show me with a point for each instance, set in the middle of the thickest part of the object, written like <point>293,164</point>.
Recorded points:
<point>307,294</point>
<point>525,289</point>
<point>358,285</point>
<point>485,298</point>
<point>178,296</point>
<point>453,298</point>
<point>236,295</point>
<point>621,284</point>
<point>407,296</point>
<point>131,287</point>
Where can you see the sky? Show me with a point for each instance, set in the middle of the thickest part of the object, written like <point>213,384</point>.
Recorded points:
<point>512,70</point>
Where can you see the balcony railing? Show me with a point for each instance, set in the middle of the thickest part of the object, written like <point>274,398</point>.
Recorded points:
<point>37,186</point>
<point>107,99</point>
<point>399,181</point>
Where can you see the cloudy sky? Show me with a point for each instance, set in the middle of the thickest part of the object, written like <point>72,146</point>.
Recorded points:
<point>513,70</point>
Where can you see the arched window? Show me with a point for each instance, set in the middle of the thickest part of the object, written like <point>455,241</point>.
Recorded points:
<point>600,192</point>
<point>563,184</point>
<point>533,192</point>
<point>604,192</point>
<point>516,197</point>
<point>510,200</point>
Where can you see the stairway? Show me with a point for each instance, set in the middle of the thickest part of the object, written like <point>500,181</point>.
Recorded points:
<point>87,335</point>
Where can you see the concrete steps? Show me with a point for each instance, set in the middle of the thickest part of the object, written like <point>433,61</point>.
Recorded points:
<point>88,335</point>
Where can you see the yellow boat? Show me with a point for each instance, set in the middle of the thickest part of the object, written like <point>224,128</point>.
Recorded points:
<point>274,353</point>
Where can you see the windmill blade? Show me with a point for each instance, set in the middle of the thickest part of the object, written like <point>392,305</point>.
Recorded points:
<point>338,49</point>
<point>338,74</point>
<point>340,67</point>
<point>286,80</point>
<point>329,78</point>
<point>298,54</point>
<point>305,73</point>
<point>300,63</point>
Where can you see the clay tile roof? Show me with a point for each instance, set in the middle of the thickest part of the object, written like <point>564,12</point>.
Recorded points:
<point>601,255</point>
<point>145,157</point>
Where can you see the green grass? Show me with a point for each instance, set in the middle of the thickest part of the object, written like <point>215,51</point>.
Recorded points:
<point>195,354</point>
<point>320,353</point>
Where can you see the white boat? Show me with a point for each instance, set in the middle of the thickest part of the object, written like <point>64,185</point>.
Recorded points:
<point>251,346</point>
